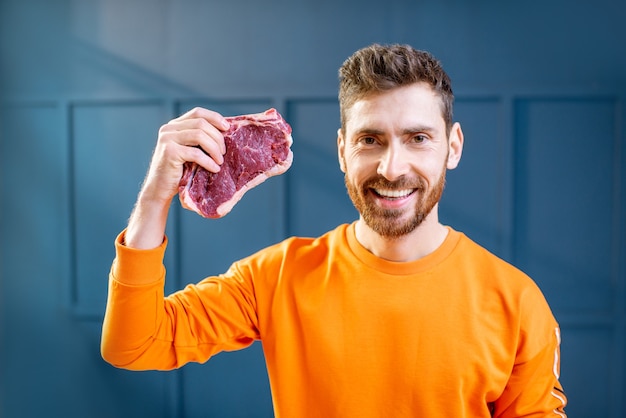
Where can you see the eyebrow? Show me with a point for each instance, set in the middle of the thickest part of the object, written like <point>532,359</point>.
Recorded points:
<point>369,131</point>
<point>406,131</point>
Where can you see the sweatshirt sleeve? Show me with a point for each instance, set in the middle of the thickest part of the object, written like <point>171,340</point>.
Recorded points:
<point>145,330</point>
<point>533,388</point>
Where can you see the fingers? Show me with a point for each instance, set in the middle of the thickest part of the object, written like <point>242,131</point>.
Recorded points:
<point>209,115</point>
<point>196,136</point>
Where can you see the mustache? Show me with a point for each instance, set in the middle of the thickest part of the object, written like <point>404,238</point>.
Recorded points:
<point>380,182</point>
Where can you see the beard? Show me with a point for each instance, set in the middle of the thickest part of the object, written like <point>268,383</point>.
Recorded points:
<point>391,223</point>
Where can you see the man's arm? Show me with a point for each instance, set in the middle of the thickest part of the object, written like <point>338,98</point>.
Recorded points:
<point>131,321</point>
<point>534,388</point>
<point>145,330</point>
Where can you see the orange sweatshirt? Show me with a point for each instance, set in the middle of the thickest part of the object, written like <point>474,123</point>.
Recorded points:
<point>458,333</point>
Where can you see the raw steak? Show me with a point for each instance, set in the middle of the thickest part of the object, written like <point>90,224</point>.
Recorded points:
<point>257,147</point>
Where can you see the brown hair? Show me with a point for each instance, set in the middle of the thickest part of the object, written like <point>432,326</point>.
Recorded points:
<point>378,68</point>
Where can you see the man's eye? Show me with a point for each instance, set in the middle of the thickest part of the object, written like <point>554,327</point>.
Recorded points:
<point>418,139</point>
<point>368,140</point>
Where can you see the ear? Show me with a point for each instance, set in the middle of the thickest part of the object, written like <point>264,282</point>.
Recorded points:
<point>340,150</point>
<point>455,146</point>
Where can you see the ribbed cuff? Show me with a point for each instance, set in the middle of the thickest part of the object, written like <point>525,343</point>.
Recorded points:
<point>136,267</point>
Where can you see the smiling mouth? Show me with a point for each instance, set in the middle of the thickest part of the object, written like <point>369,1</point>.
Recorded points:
<point>393,194</point>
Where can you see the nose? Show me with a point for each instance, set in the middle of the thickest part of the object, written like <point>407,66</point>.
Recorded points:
<point>394,163</point>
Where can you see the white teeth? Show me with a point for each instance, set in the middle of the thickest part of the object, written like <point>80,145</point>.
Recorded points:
<point>393,193</point>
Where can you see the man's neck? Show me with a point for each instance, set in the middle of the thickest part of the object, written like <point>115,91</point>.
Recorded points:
<point>425,239</point>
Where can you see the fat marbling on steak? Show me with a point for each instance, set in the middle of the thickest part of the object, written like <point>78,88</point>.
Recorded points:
<point>258,146</point>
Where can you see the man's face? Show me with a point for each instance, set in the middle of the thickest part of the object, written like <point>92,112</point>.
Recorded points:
<point>394,155</point>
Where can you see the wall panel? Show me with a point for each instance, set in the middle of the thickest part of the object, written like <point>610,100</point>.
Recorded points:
<point>33,252</point>
<point>476,193</point>
<point>208,246</point>
<point>564,184</point>
<point>566,235</point>
<point>587,371</point>
<point>318,200</point>
<point>111,144</point>
<point>232,384</point>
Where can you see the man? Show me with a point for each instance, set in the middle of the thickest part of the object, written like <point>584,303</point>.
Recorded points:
<point>394,315</point>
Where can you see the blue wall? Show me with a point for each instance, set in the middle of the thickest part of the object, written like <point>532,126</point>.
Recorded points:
<point>85,85</point>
